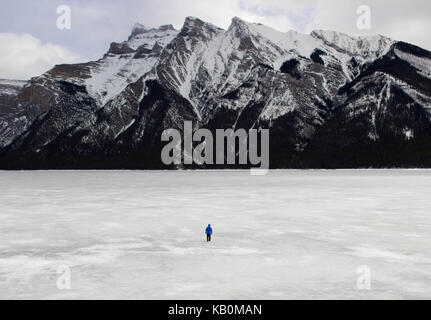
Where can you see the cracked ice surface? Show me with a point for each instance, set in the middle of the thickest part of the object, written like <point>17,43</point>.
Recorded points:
<point>290,234</point>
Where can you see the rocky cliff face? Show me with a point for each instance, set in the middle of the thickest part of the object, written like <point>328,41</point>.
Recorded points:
<point>14,117</point>
<point>329,100</point>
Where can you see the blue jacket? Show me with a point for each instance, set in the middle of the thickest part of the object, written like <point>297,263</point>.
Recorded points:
<point>209,230</point>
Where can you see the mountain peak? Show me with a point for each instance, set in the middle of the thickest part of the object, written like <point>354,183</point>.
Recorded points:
<point>238,20</point>
<point>192,21</point>
<point>239,26</point>
<point>196,26</point>
<point>336,36</point>
<point>166,27</point>
<point>239,23</point>
<point>139,28</point>
<point>366,46</point>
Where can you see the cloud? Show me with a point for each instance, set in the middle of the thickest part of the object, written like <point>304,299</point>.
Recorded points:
<point>23,56</point>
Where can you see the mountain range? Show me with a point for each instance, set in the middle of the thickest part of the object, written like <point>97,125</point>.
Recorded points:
<point>330,100</point>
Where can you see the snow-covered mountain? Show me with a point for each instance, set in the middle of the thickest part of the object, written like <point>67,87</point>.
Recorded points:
<point>329,99</point>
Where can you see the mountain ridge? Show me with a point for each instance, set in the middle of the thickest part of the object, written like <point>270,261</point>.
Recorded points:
<point>110,113</point>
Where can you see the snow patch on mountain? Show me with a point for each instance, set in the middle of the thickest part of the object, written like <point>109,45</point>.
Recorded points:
<point>363,47</point>
<point>115,71</point>
<point>302,44</point>
<point>113,75</point>
<point>149,37</point>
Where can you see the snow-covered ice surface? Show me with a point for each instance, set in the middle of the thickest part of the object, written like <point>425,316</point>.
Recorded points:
<point>287,235</point>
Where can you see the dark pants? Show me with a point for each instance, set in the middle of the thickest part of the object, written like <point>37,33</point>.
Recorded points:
<point>208,237</point>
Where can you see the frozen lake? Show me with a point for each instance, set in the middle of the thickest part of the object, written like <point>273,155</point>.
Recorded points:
<point>287,235</point>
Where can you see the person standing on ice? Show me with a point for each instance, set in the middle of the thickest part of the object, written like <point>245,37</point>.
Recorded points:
<point>209,232</point>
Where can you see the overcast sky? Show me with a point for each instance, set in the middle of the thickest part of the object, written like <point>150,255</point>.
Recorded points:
<point>31,43</point>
